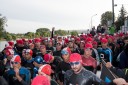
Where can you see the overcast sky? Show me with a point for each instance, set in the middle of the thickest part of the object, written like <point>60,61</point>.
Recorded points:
<point>29,15</point>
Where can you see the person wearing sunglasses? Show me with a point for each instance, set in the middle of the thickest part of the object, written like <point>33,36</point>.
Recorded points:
<point>78,75</point>
<point>17,75</point>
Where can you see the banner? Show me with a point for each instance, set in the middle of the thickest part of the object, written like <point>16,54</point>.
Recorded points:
<point>106,74</point>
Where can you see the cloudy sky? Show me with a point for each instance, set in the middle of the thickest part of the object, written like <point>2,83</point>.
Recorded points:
<point>29,15</point>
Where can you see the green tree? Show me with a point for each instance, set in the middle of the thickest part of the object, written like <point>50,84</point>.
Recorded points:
<point>105,17</point>
<point>61,32</point>
<point>121,18</point>
<point>14,37</point>
<point>3,21</point>
<point>75,33</point>
<point>8,37</point>
<point>43,32</point>
<point>37,34</point>
<point>29,35</point>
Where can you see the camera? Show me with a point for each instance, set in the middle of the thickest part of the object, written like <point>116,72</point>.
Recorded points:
<point>102,56</point>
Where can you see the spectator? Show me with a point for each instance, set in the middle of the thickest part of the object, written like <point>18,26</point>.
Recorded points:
<point>92,32</point>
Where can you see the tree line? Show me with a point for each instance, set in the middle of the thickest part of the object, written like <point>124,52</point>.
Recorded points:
<point>45,32</point>
<point>119,20</point>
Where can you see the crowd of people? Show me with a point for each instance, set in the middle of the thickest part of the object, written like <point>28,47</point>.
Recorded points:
<point>73,60</point>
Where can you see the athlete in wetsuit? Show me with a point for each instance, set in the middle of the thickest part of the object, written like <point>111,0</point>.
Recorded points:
<point>38,61</point>
<point>63,66</point>
<point>79,76</point>
<point>28,63</point>
<point>17,75</point>
<point>88,61</point>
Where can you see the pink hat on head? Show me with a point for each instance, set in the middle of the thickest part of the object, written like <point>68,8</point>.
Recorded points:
<point>110,37</point>
<point>48,57</point>
<point>95,43</point>
<point>89,39</point>
<point>66,50</point>
<point>121,34</point>
<point>66,40</point>
<point>88,45</point>
<point>29,41</point>
<point>20,42</point>
<point>75,57</point>
<point>9,52</point>
<point>11,43</point>
<point>77,39</point>
<point>104,40</point>
<point>46,69</point>
<point>16,58</point>
<point>8,47</point>
<point>29,51</point>
<point>40,80</point>
<point>37,40</point>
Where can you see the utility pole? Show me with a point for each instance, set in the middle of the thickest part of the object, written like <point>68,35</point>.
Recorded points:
<point>113,15</point>
<point>91,19</point>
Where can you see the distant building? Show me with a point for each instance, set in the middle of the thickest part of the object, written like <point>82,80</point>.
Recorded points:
<point>126,24</point>
<point>124,28</point>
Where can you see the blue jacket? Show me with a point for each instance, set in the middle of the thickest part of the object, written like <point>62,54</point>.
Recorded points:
<point>106,54</point>
<point>23,72</point>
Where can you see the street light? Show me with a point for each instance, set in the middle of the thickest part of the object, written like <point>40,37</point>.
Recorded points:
<point>91,19</point>
<point>113,14</point>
